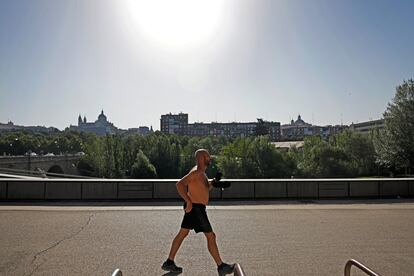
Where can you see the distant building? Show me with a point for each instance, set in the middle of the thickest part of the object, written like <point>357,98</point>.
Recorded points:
<point>287,145</point>
<point>41,129</point>
<point>222,129</point>
<point>100,127</point>
<point>178,124</point>
<point>236,129</point>
<point>37,129</point>
<point>326,131</point>
<point>296,130</point>
<point>366,127</point>
<point>8,127</point>
<point>299,129</point>
<point>174,123</point>
<point>142,130</point>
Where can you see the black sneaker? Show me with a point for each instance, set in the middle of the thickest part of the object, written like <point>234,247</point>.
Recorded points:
<point>171,267</point>
<point>224,269</point>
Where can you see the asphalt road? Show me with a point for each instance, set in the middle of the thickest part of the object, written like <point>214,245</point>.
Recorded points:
<point>281,239</point>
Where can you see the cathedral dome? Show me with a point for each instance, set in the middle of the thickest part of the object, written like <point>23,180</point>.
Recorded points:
<point>299,121</point>
<point>102,116</point>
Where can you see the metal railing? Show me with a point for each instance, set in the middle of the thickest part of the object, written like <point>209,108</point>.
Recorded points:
<point>238,270</point>
<point>357,264</point>
<point>41,174</point>
<point>117,272</point>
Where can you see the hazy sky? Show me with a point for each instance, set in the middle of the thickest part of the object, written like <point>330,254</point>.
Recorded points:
<point>218,61</point>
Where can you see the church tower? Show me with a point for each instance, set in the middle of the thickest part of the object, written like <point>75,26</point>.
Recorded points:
<point>79,120</point>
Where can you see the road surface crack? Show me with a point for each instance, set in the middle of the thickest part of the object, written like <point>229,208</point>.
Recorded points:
<point>38,254</point>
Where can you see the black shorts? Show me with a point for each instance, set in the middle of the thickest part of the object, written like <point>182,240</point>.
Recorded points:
<point>197,219</point>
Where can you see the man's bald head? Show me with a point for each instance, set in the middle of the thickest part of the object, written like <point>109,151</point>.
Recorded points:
<point>202,157</point>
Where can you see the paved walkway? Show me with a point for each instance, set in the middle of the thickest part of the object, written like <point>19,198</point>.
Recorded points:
<point>271,238</point>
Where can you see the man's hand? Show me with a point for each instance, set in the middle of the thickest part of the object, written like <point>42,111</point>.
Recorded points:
<point>188,207</point>
<point>218,176</point>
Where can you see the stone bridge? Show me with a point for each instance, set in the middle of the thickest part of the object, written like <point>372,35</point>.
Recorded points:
<point>62,164</point>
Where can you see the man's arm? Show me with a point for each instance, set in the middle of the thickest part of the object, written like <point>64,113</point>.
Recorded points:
<point>182,186</point>
<point>210,184</point>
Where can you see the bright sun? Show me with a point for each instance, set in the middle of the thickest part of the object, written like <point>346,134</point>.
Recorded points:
<point>176,23</point>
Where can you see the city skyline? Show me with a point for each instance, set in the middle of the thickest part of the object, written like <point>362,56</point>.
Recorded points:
<point>333,62</point>
<point>157,127</point>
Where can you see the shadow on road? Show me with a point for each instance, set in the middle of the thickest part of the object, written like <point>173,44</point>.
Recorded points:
<point>171,273</point>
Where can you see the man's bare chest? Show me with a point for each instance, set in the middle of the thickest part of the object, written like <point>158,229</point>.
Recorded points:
<point>200,182</point>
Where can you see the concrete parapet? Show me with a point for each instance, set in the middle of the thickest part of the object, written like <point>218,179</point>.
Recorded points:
<point>302,189</point>
<point>363,188</point>
<point>3,190</point>
<point>165,190</point>
<point>135,190</point>
<point>26,190</point>
<point>271,189</point>
<point>333,189</point>
<point>76,189</point>
<point>239,189</point>
<point>411,188</point>
<point>63,190</point>
<point>99,190</point>
<point>393,188</point>
<point>215,193</point>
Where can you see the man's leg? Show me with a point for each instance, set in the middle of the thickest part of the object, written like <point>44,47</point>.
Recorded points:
<point>212,247</point>
<point>177,242</point>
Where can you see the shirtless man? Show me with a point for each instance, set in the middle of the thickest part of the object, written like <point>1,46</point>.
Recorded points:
<point>194,189</point>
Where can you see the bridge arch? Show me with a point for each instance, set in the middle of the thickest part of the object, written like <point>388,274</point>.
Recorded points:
<point>55,169</point>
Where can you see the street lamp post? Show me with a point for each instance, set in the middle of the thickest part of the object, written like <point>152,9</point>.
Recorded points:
<point>29,160</point>
<point>56,146</point>
<point>15,143</point>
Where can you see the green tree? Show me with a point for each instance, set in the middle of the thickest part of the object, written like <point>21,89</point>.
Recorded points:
<point>142,167</point>
<point>320,159</point>
<point>94,160</point>
<point>395,143</point>
<point>360,152</point>
<point>164,152</point>
<point>255,158</point>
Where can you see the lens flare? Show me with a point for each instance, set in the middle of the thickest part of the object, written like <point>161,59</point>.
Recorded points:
<point>176,23</point>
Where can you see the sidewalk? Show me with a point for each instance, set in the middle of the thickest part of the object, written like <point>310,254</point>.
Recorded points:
<point>366,204</point>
